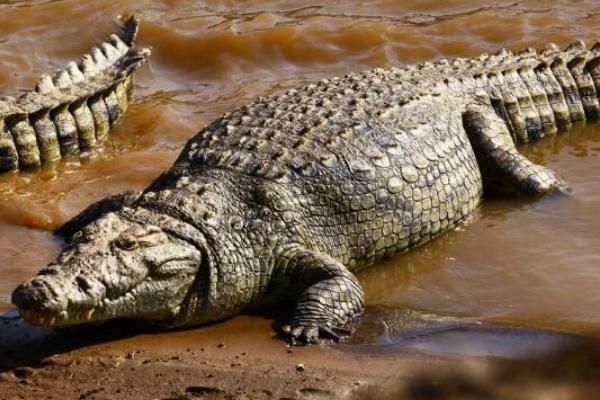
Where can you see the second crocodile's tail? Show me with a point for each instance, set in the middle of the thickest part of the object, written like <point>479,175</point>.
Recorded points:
<point>72,111</point>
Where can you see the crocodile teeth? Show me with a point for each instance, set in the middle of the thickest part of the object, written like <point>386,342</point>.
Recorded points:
<point>87,315</point>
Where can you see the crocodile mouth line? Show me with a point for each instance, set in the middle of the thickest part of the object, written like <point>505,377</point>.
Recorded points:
<point>101,311</point>
<point>73,315</point>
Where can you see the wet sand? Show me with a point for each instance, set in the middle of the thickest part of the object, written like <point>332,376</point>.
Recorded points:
<point>236,358</point>
<point>243,359</point>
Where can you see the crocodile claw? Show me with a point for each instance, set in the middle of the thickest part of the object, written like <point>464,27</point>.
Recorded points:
<point>301,335</point>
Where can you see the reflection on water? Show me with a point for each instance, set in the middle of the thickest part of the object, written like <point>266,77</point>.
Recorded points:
<point>533,261</point>
<point>390,329</point>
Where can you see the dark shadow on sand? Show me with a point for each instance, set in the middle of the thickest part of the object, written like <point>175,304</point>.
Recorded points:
<point>25,345</point>
<point>22,344</point>
<point>380,330</point>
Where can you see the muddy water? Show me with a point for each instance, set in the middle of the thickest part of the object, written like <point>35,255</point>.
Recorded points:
<point>534,262</point>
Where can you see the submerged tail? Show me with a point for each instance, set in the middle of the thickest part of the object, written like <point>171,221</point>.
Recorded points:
<point>73,110</point>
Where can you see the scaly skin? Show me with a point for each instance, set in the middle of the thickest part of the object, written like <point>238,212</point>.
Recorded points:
<point>73,111</point>
<point>284,198</point>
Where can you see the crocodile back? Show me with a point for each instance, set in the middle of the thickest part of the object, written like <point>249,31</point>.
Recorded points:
<point>381,163</point>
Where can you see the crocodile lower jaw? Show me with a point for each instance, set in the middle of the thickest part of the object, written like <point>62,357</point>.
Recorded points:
<point>76,316</point>
<point>63,318</point>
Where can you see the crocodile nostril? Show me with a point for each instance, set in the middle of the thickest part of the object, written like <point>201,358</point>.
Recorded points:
<point>37,294</point>
<point>83,284</point>
<point>38,283</point>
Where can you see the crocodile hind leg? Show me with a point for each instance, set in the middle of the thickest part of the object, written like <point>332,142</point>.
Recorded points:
<point>502,167</point>
<point>328,296</point>
<point>109,204</point>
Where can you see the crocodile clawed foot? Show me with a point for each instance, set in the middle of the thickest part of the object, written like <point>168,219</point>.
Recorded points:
<point>302,335</point>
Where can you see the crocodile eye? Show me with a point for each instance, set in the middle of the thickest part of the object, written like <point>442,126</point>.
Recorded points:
<point>127,243</point>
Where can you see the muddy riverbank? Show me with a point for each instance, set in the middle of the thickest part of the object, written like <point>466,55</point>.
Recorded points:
<point>243,359</point>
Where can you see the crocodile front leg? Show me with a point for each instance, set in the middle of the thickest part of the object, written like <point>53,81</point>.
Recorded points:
<point>502,167</point>
<point>328,296</point>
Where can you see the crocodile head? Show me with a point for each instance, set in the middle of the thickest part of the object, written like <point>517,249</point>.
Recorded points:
<point>113,268</point>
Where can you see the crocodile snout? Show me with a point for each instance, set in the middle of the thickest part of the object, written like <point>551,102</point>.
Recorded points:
<point>38,299</point>
<point>113,268</point>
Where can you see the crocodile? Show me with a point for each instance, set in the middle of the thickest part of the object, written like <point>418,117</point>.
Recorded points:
<point>282,200</point>
<point>71,112</point>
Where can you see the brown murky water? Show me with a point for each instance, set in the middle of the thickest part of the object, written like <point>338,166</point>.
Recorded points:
<point>535,262</point>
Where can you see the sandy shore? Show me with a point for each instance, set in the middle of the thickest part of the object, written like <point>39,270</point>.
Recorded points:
<point>237,359</point>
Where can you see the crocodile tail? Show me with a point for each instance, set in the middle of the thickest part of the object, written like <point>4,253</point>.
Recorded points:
<point>129,30</point>
<point>71,111</point>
